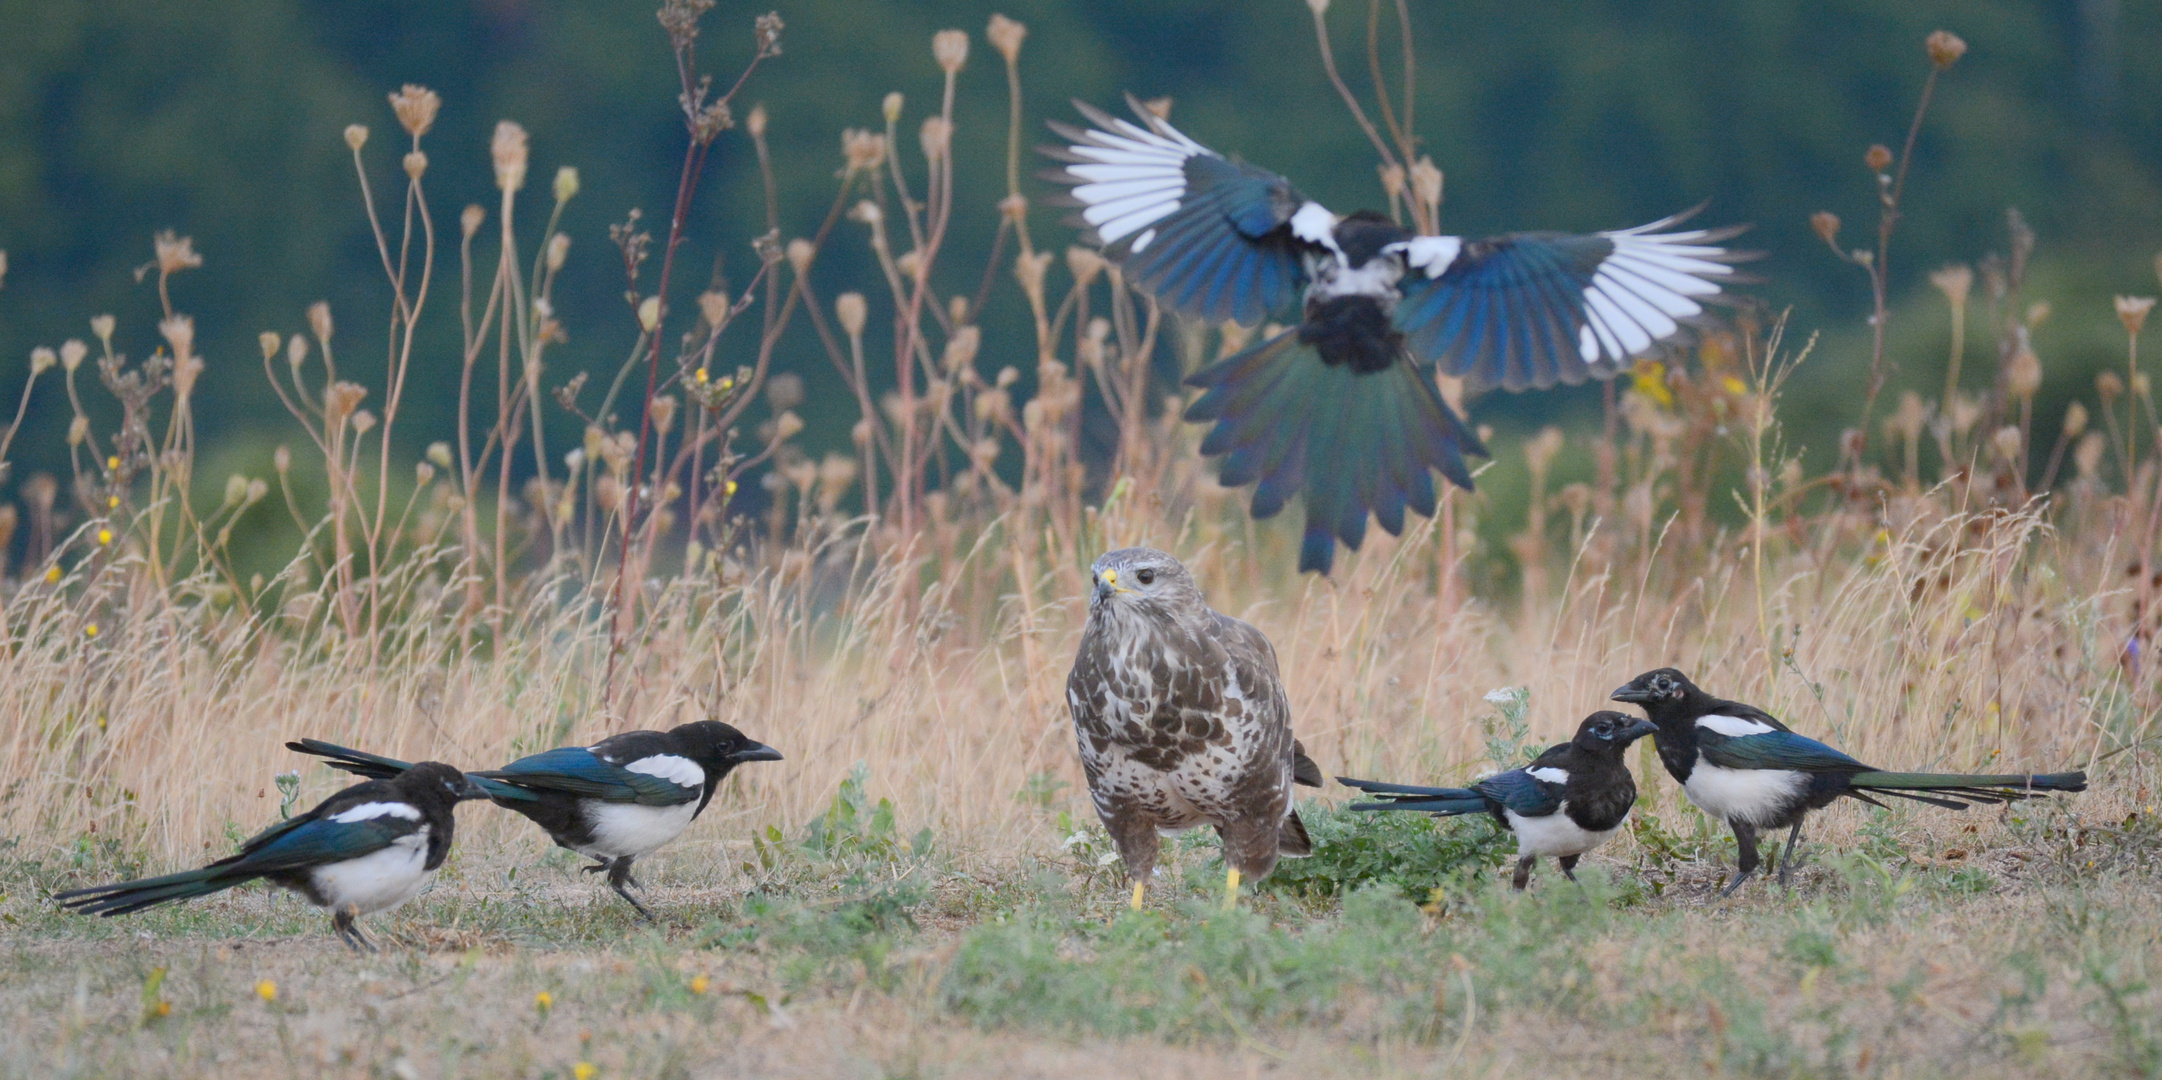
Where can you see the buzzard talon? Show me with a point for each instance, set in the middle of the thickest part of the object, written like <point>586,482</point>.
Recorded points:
<point>1183,722</point>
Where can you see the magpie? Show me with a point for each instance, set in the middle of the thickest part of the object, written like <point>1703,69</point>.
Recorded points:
<point>614,801</point>
<point>366,849</point>
<point>1343,407</point>
<point>1741,765</point>
<point>1568,801</point>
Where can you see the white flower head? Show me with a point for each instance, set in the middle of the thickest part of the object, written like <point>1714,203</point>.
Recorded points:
<point>1508,695</point>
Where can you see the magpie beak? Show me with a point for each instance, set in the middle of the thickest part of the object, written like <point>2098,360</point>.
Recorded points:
<point>755,752</point>
<point>1638,729</point>
<point>472,790</point>
<point>1633,695</point>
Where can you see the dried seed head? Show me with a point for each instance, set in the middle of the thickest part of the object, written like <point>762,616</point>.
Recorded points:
<point>78,430</point>
<point>2023,374</point>
<point>787,426</point>
<point>961,348</point>
<point>319,320</point>
<point>766,30</point>
<point>469,220</point>
<point>1084,264</point>
<point>296,350</point>
<point>957,309</point>
<point>423,474</point>
<point>799,253</point>
<point>559,251</point>
<point>1029,271</point>
<point>850,309</point>
<point>281,459</point>
<point>2132,312</point>
<point>860,432</point>
<point>713,307</point>
<point>2007,442</point>
<point>936,136</point>
<point>2088,454</point>
<point>784,391</point>
<point>1879,158</point>
<point>649,314</point>
<point>664,413</point>
<point>42,360</point>
<point>2037,313</point>
<point>1955,282</point>
<point>566,184</point>
<point>755,123</point>
<point>179,334</point>
<point>236,489</point>
<point>1426,181</point>
<point>1392,179</point>
<point>1320,7</point>
<point>863,150</point>
<point>175,253</point>
<point>1826,225</point>
<point>2139,384</point>
<point>1006,35</point>
<point>2075,420</point>
<point>2108,386</point>
<point>508,149</point>
<point>1910,417</point>
<point>439,454</point>
<point>1964,412</point>
<point>72,352</point>
<point>340,399</point>
<point>1945,48</point>
<point>363,420</point>
<point>1014,208</point>
<point>356,136</point>
<point>950,49</point>
<point>1539,450</point>
<point>866,212</point>
<point>416,107</point>
<point>271,342</point>
<point>415,163</point>
<point>891,106</point>
<point>910,265</point>
<point>102,326</point>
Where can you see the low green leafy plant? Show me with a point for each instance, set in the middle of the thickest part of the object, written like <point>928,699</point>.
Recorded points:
<point>1412,854</point>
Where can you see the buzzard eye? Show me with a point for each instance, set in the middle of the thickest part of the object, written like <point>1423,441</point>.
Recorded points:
<point>1145,576</point>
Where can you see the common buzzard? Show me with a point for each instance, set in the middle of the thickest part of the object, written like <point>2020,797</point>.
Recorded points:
<point>1183,722</point>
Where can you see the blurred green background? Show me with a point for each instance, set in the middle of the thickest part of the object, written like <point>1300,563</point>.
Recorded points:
<point>221,119</point>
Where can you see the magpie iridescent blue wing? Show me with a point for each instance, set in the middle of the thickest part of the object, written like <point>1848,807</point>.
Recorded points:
<point>1209,238</point>
<point>1529,310</point>
<point>576,770</point>
<point>1774,750</point>
<point>1522,792</point>
<point>1350,443</point>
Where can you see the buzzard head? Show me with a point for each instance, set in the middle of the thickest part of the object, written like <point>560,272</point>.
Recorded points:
<point>1143,581</point>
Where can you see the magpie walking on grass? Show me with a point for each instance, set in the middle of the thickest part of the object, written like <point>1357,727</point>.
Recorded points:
<point>1343,407</point>
<point>1568,801</point>
<point>1741,765</point>
<point>615,801</point>
<point>366,849</point>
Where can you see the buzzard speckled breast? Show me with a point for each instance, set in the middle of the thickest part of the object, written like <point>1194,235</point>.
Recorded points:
<point>1182,720</point>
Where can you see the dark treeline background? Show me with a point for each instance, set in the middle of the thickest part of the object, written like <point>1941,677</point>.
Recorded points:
<point>221,119</point>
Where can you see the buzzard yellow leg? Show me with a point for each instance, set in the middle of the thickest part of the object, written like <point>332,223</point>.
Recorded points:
<point>1138,887</point>
<point>1231,888</point>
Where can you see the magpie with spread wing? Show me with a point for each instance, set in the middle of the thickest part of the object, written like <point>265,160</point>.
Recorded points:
<point>1568,801</point>
<point>1742,766</point>
<point>1343,407</point>
<point>621,798</point>
<point>368,848</point>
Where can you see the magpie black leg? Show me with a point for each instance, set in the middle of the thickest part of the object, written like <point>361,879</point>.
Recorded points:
<point>600,867</point>
<point>1786,858</point>
<point>1522,877</point>
<point>344,922</point>
<point>1568,866</point>
<point>1745,839</point>
<point>619,875</point>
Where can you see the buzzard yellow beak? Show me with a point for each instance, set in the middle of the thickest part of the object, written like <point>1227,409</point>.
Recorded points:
<point>1108,583</point>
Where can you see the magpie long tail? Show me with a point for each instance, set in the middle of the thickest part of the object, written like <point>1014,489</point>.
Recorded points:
<point>131,896</point>
<point>357,762</point>
<point>1349,442</point>
<point>1957,791</point>
<point>1443,802</point>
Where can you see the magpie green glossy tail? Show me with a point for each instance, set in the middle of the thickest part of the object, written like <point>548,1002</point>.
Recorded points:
<point>1969,788</point>
<point>1349,442</point>
<point>150,892</point>
<point>378,767</point>
<point>1444,802</point>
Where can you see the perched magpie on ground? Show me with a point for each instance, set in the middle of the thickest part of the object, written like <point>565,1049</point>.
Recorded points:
<point>614,801</point>
<point>1743,766</point>
<point>366,849</point>
<point>1569,800</point>
<point>1343,407</point>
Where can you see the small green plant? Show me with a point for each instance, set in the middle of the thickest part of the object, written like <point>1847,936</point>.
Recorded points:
<point>854,827</point>
<point>1409,853</point>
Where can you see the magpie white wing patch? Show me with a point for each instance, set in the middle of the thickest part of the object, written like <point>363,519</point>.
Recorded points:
<point>372,810</point>
<point>1135,177</point>
<point>1647,283</point>
<point>680,771</point>
<point>1733,727</point>
<point>1550,774</point>
<point>1313,223</point>
<point>379,880</point>
<point>1431,255</point>
<point>1555,834</point>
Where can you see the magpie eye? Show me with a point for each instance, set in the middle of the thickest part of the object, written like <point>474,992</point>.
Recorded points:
<point>1145,576</point>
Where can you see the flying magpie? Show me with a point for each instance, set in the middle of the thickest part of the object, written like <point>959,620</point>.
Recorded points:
<point>1741,765</point>
<point>366,849</point>
<point>614,801</point>
<point>1569,800</point>
<point>1343,407</point>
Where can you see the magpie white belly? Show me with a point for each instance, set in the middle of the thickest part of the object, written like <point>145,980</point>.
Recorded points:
<point>377,881</point>
<point>1555,834</point>
<point>1752,796</point>
<point>621,829</point>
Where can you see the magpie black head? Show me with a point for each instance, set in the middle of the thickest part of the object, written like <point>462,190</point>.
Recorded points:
<point>1657,690</point>
<point>1609,733</point>
<point>432,783</point>
<point>1363,234</point>
<point>718,747</point>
